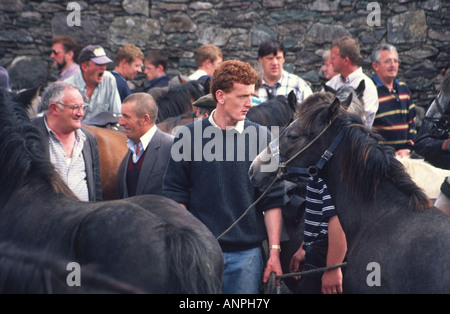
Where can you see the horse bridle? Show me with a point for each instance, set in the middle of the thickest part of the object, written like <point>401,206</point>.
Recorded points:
<point>312,171</point>
<point>446,123</point>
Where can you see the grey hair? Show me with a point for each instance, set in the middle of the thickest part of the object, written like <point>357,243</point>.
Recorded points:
<point>144,104</point>
<point>375,56</point>
<point>55,92</point>
<point>326,55</point>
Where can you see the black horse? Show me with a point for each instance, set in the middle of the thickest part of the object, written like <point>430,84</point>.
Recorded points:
<point>278,111</point>
<point>179,98</point>
<point>149,242</point>
<point>397,242</point>
<point>25,271</point>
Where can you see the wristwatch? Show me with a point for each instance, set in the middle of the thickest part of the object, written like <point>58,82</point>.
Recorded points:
<point>275,247</point>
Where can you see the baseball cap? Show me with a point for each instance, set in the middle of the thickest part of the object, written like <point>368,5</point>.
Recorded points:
<point>206,101</point>
<point>95,53</point>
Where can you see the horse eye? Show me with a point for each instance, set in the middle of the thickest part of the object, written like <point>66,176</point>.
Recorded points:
<point>292,137</point>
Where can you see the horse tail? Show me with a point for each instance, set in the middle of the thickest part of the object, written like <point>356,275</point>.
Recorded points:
<point>190,265</point>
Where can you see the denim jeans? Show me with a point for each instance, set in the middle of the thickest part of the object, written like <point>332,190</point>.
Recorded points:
<point>243,271</point>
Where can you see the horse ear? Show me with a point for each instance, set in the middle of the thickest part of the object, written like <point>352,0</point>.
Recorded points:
<point>182,81</point>
<point>292,100</point>
<point>347,102</point>
<point>27,96</point>
<point>329,89</point>
<point>333,109</point>
<point>360,89</point>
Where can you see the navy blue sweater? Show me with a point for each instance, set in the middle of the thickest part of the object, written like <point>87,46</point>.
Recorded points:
<point>207,173</point>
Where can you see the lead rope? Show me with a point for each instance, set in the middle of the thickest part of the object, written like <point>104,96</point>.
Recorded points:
<point>248,209</point>
<point>271,282</point>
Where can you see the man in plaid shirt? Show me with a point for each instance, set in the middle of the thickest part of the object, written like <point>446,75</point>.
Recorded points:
<point>277,81</point>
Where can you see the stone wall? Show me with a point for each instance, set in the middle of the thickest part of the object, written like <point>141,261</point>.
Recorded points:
<point>419,29</point>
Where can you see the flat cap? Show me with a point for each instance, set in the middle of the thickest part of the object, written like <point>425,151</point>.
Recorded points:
<point>206,101</point>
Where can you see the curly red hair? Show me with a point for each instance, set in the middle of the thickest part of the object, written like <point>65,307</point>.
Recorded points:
<point>230,72</point>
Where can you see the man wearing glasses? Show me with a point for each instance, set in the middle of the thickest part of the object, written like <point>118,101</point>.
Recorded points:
<point>97,86</point>
<point>64,52</point>
<point>72,149</point>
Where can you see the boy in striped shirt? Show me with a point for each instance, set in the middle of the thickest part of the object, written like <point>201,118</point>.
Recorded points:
<point>324,243</point>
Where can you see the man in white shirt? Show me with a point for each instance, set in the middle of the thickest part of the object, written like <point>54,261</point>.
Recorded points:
<point>345,56</point>
<point>207,59</point>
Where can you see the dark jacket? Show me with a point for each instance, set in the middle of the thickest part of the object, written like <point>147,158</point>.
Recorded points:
<point>90,154</point>
<point>153,168</point>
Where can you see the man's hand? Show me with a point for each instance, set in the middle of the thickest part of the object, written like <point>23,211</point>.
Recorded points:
<point>446,145</point>
<point>332,281</point>
<point>297,261</point>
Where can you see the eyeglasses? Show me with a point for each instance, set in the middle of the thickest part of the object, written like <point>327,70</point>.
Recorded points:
<point>75,109</point>
<point>394,92</point>
<point>55,52</point>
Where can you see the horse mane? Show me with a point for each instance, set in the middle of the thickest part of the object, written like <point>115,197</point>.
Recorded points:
<point>22,155</point>
<point>178,99</point>
<point>362,159</point>
<point>31,271</point>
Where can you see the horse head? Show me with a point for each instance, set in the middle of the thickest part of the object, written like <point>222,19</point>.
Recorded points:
<point>295,138</point>
<point>356,104</point>
<point>319,143</point>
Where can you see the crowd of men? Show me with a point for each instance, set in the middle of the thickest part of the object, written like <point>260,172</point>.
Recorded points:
<point>216,192</point>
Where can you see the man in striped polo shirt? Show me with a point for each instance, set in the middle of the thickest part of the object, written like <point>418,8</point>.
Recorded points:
<point>395,119</point>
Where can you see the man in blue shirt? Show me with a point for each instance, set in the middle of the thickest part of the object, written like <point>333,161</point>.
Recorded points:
<point>155,65</point>
<point>128,63</point>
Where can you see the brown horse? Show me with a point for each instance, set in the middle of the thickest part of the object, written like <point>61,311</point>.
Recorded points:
<point>112,148</point>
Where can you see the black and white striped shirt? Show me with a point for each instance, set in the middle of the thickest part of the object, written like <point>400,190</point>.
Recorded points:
<point>319,210</point>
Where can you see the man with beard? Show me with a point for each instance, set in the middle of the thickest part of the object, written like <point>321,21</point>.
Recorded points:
<point>97,86</point>
<point>64,52</point>
<point>71,149</point>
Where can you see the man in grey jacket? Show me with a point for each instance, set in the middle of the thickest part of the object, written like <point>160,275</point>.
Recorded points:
<point>143,167</point>
<point>72,149</point>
